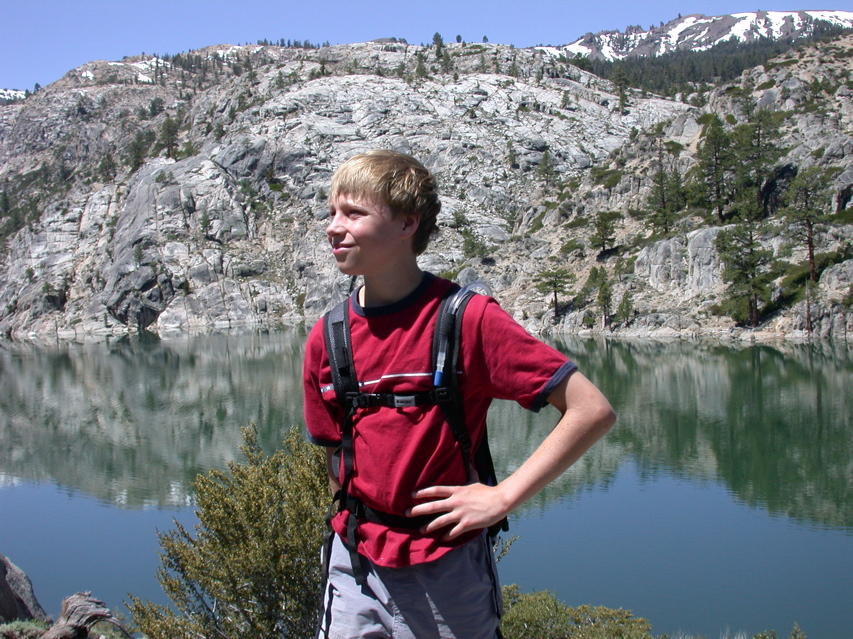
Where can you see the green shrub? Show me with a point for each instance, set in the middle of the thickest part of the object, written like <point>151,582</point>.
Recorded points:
<point>608,178</point>
<point>796,276</point>
<point>22,629</point>
<point>539,615</point>
<point>847,300</point>
<point>252,570</point>
<point>473,246</point>
<point>572,247</point>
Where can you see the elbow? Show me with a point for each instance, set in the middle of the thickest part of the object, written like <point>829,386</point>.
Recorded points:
<point>604,418</point>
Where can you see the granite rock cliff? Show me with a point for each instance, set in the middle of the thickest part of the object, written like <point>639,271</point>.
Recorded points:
<point>188,194</point>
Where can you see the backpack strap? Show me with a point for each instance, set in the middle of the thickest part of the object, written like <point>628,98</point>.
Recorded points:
<point>446,348</point>
<point>336,331</point>
<point>339,348</point>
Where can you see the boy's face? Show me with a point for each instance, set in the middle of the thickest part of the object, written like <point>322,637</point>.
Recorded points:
<point>366,238</point>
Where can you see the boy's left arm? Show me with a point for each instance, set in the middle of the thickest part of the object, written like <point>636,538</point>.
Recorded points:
<point>586,417</point>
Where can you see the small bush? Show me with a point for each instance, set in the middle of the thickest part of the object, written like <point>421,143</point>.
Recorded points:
<point>539,615</point>
<point>608,178</point>
<point>252,571</point>
<point>22,630</point>
<point>572,247</point>
<point>847,300</point>
<point>473,246</point>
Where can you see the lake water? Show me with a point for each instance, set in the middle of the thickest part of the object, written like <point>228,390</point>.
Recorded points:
<point>721,502</point>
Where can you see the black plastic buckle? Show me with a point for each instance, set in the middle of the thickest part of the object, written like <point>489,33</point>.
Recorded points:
<point>443,395</point>
<point>357,400</point>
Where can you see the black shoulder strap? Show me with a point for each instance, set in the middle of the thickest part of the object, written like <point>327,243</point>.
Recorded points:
<point>336,331</point>
<point>446,347</point>
<point>339,349</point>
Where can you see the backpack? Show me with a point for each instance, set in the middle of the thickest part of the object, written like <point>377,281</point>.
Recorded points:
<point>445,355</point>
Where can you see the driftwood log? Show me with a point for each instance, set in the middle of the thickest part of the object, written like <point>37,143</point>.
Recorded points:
<point>79,613</point>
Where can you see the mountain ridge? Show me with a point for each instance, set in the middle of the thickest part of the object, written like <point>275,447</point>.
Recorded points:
<point>695,32</point>
<point>188,194</point>
<point>698,32</point>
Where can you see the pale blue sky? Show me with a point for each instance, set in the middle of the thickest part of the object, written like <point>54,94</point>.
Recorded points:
<point>40,40</point>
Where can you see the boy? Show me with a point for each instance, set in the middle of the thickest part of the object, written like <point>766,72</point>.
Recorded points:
<point>419,566</point>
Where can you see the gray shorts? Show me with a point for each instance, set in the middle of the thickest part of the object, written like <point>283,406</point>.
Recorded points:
<point>454,597</point>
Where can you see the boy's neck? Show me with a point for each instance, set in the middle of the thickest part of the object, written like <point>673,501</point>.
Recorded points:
<point>390,289</point>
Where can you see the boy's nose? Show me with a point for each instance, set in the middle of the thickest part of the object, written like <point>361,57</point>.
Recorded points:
<point>334,225</point>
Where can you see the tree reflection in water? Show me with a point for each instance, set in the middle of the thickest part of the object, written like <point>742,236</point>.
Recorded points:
<point>133,421</point>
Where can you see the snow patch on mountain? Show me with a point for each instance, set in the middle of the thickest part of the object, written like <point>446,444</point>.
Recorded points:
<point>7,95</point>
<point>700,32</point>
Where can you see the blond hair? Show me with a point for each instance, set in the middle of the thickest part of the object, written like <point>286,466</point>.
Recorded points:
<point>397,180</point>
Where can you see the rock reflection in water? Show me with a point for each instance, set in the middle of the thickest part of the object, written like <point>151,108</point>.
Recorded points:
<point>132,422</point>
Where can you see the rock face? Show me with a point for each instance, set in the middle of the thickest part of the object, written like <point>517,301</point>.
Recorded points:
<point>687,264</point>
<point>189,194</point>
<point>17,600</point>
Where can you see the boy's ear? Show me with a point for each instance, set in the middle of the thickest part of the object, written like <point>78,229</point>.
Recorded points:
<point>411,223</point>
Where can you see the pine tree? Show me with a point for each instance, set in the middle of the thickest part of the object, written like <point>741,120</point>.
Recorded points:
<point>620,79</point>
<point>107,168</point>
<point>667,198</point>
<point>156,107</point>
<point>137,150</point>
<point>745,263</point>
<point>547,170</point>
<point>757,150</point>
<point>677,191</point>
<point>554,282</point>
<point>604,225</point>
<point>625,308</point>
<point>420,68</point>
<point>169,135</point>
<point>438,42</point>
<point>715,167</point>
<point>807,202</point>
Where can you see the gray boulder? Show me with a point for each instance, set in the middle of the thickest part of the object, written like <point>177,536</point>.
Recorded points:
<point>17,600</point>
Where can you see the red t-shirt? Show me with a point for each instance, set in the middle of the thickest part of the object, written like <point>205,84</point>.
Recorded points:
<point>400,450</point>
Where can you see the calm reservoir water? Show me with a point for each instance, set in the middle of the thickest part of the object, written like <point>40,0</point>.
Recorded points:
<point>722,501</point>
